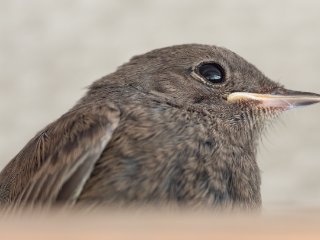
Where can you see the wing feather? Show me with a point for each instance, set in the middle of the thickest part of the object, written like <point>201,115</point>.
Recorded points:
<point>55,165</point>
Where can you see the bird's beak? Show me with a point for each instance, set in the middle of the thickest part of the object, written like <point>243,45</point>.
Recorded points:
<point>282,98</point>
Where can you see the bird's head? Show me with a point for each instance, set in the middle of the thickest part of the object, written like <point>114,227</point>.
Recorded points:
<point>214,80</point>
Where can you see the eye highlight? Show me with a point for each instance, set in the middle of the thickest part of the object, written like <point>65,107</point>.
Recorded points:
<point>212,72</point>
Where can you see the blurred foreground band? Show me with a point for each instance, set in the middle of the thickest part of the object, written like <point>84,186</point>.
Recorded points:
<point>150,224</point>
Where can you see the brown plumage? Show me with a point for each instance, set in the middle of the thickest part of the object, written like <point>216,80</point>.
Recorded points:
<point>177,125</point>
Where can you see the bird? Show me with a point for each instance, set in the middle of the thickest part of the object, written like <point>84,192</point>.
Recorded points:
<point>176,126</point>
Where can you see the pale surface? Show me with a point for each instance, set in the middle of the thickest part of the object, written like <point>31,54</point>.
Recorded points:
<point>159,226</point>
<point>51,50</point>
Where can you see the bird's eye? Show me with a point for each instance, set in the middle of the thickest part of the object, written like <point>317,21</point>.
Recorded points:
<point>212,72</point>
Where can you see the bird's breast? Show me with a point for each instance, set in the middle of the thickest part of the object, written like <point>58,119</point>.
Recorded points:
<point>161,155</point>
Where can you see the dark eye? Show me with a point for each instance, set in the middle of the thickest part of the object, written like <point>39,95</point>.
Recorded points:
<point>212,72</point>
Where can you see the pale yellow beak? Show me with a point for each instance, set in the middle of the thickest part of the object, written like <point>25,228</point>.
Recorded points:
<point>288,100</point>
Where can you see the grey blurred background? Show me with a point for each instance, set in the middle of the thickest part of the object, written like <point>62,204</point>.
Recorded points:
<point>51,50</point>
